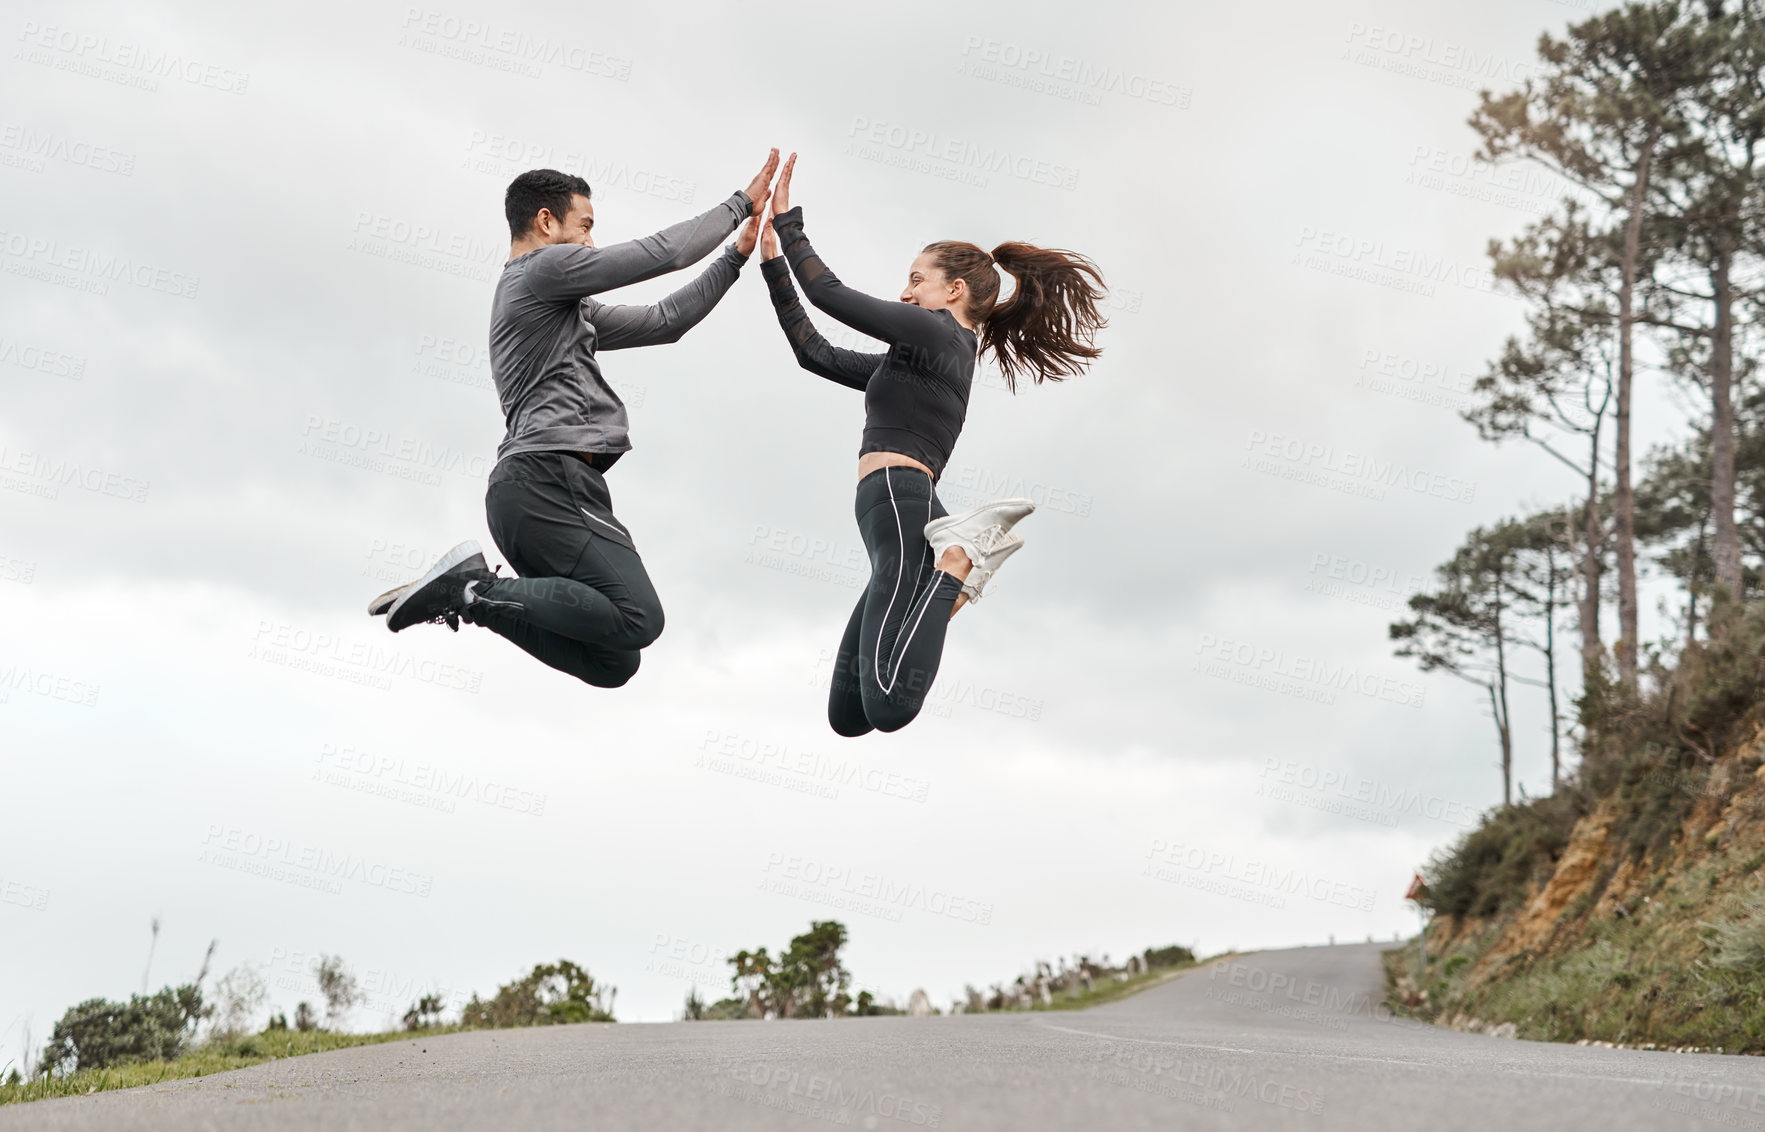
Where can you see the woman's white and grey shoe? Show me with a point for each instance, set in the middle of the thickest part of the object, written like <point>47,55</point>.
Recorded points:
<point>984,534</point>
<point>984,567</point>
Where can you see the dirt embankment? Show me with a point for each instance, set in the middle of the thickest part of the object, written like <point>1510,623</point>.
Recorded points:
<point>1647,928</point>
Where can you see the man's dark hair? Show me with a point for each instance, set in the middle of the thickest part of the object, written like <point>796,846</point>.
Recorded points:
<point>537,189</point>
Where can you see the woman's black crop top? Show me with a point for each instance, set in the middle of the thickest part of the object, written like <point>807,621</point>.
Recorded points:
<point>916,394</point>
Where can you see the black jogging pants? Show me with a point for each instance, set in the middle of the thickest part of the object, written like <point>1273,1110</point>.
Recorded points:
<point>586,605</point>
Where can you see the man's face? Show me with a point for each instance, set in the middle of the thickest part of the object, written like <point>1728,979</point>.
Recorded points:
<point>575,227</point>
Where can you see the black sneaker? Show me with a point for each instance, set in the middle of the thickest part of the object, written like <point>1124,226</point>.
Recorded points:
<point>440,594</point>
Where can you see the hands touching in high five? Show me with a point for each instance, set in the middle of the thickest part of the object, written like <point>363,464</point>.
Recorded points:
<point>760,190</point>
<point>757,191</point>
<point>781,202</point>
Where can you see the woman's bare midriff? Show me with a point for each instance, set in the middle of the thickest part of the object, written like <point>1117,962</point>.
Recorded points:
<point>871,461</point>
<point>954,560</point>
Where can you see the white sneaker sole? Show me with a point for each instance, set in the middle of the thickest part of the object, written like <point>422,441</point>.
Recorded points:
<point>965,530</point>
<point>382,605</point>
<point>1025,506</point>
<point>448,561</point>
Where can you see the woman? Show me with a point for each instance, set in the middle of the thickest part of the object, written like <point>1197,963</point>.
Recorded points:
<point>924,563</point>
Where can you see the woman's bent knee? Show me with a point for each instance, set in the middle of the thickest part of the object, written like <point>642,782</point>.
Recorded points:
<point>886,716</point>
<point>848,724</point>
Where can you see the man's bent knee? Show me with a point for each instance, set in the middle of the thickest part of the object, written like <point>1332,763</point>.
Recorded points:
<point>640,622</point>
<point>614,672</point>
<point>648,626</point>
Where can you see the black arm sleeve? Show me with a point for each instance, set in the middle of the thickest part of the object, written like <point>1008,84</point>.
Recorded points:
<point>894,322</point>
<point>814,353</point>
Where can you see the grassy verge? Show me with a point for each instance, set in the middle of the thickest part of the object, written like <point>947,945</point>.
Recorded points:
<point>255,1049</point>
<point>214,1057</point>
<point>1102,991</point>
<point>1660,977</point>
<point>1111,990</point>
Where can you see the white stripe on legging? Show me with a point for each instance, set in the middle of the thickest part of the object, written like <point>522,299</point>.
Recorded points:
<point>900,567</point>
<point>901,641</point>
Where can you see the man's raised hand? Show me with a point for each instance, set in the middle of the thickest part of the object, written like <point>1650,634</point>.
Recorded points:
<point>750,230</point>
<point>757,188</point>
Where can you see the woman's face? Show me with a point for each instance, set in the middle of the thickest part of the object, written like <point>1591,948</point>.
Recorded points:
<point>927,287</point>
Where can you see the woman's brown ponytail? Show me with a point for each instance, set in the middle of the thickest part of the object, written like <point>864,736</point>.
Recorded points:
<point>1047,327</point>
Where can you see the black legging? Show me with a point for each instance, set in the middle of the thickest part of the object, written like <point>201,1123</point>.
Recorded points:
<point>889,655</point>
<point>586,602</point>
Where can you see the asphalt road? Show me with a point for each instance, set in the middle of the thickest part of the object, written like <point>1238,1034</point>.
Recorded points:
<point>1277,1040</point>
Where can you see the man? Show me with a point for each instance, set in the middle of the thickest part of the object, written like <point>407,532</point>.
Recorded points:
<point>582,601</point>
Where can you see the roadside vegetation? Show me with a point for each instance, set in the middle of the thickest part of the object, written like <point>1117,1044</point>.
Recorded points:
<point>189,1031</point>
<point>195,1029</point>
<point>808,979</point>
<point>1629,907</point>
<point>199,1061</point>
<point>1683,972</point>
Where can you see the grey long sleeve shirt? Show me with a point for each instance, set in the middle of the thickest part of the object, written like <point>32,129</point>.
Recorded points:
<point>546,327</point>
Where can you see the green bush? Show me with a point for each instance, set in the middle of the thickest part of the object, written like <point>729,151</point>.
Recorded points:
<point>1173,956</point>
<point>550,993</point>
<point>808,980</point>
<point>1491,868</point>
<point>424,1014</point>
<point>1659,785</point>
<point>98,1033</point>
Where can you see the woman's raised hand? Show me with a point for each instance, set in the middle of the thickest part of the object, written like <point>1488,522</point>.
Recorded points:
<point>781,196</point>
<point>756,189</point>
<point>768,240</point>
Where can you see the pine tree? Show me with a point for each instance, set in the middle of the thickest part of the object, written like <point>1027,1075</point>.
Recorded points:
<point>1606,113</point>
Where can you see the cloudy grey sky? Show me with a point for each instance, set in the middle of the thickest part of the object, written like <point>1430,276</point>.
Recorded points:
<point>247,266</point>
